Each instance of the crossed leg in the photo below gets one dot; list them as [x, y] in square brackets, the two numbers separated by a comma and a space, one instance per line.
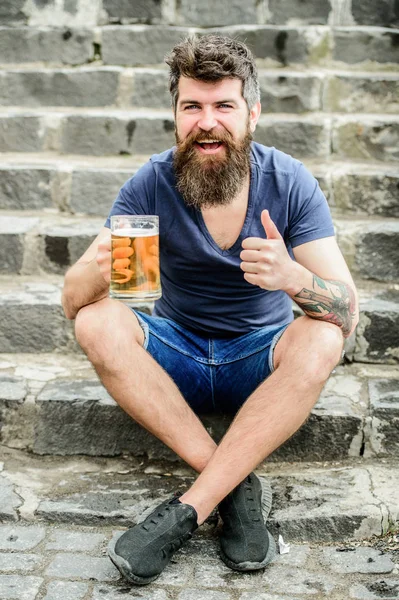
[304, 357]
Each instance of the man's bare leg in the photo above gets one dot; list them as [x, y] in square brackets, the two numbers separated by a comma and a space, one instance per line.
[304, 358]
[112, 338]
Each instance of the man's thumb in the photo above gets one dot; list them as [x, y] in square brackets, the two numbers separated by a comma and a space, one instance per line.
[272, 233]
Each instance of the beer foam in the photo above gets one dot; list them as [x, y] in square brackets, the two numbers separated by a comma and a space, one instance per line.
[135, 232]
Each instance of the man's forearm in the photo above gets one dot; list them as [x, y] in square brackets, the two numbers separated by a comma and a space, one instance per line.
[83, 285]
[329, 300]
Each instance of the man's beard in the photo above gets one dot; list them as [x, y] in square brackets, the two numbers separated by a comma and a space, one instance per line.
[206, 180]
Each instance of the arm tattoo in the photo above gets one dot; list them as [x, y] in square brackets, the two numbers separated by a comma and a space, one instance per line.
[331, 301]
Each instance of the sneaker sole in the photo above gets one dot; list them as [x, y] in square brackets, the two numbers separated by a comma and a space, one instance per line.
[124, 568]
[266, 502]
[253, 566]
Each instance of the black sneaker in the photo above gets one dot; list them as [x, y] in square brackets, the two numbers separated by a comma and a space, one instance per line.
[143, 551]
[245, 543]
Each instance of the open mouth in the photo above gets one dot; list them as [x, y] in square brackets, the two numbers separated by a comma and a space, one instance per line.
[210, 145]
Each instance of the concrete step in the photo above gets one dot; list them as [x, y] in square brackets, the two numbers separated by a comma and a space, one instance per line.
[32, 320]
[195, 12]
[282, 90]
[84, 184]
[55, 404]
[30, 245]
[139, 45]
[109, 131]
[346, 501]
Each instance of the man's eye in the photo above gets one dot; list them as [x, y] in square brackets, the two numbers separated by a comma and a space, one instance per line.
[225, 106]
[191, 106]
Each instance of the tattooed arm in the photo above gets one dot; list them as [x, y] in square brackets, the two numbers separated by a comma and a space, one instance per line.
[318, 280]
[329, 300]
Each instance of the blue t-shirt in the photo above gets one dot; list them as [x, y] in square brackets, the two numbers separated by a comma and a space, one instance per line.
[203, 287]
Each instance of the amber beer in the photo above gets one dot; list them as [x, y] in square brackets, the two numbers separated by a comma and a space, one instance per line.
[135, 273]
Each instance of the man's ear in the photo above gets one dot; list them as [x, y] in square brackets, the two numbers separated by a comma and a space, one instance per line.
[254, 115]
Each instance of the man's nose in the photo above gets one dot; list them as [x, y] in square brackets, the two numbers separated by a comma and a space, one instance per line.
[207, 120]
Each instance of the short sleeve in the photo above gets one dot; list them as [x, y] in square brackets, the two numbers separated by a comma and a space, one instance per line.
[135, 196]
[309, 213]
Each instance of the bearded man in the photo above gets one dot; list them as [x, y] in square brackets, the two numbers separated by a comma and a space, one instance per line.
[244, 230]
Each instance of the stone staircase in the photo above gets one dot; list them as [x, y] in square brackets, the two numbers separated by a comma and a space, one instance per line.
[83, 103]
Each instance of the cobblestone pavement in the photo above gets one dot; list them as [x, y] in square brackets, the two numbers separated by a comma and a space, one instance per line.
[54, 562]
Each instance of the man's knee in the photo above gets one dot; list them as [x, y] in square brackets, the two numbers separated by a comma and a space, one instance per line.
[315, 347]
[101, 325]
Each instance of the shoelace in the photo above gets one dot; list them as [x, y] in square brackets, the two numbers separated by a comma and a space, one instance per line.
[150, 520]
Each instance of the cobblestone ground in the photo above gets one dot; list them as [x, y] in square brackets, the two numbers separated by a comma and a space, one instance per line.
[52, 562]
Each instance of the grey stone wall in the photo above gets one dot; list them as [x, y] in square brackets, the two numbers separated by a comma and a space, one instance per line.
[202, 13]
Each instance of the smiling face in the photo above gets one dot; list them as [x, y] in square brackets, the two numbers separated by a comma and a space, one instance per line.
[213, 133]
[207, 111]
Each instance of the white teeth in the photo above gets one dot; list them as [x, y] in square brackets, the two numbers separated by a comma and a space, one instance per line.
[208, 141]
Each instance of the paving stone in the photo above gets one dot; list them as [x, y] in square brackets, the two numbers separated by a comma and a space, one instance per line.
[289, 92]
[104, 592]
[359, 93]
[297, 581]
[177, 573]
[19, 133]
[19, 562]
[9, 501]
[12, 234]
[19, 587]
[383, 14]
[12, 389]
[74, 541]
[63, 87]
[93, 191]
[370, 248]
[298, 12]
[18, 538]
[384, 404]
[373, 194]
[97, 135]
[205, 13]
[369, 138]
[209, 575]
[307, 138]
[194, 594]
[32, 311]
[121, 11]
[150, 88]
[67, 590]
[72, 566]
[376, 334]
[12, 12]
[25, 188]
[137, 45]
[28, 44]
[359, 560]
[354, 45]
[376, 590]
[264, 596]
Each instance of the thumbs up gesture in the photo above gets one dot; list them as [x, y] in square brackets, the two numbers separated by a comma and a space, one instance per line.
[266, 263]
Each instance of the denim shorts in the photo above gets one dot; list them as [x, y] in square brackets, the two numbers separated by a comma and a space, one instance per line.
[212, 374]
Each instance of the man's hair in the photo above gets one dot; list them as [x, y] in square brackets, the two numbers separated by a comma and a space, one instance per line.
[212, 58]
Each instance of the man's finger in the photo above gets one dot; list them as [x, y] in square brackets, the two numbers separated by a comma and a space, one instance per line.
[250, 267]
[253, 243]
[271, 230]
[250, 255]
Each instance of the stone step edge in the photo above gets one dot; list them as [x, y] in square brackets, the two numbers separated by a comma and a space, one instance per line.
[348, 500]
[318, 71]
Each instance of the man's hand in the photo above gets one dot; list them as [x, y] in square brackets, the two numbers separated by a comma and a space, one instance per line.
[266, 263]
[103, 257]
